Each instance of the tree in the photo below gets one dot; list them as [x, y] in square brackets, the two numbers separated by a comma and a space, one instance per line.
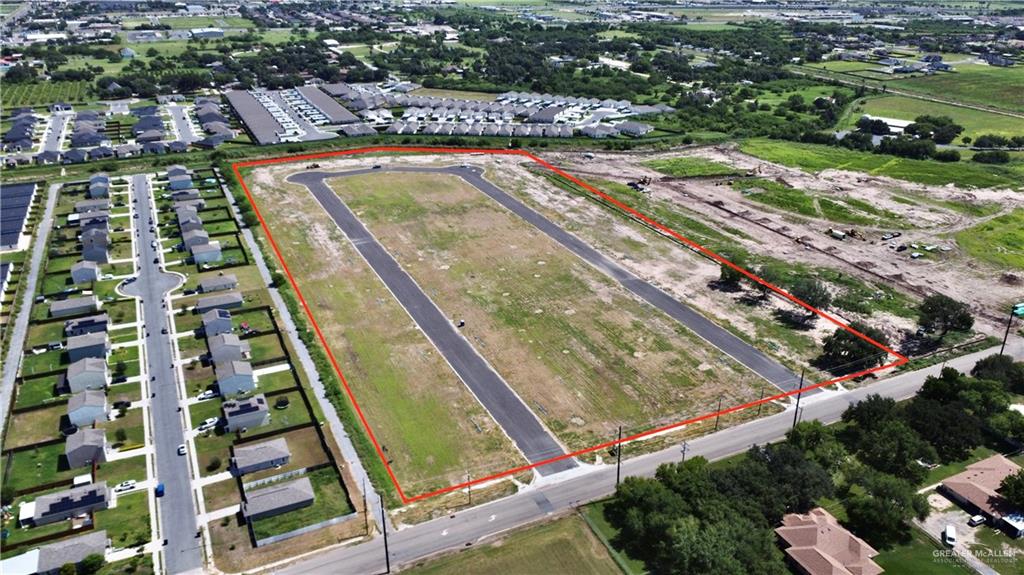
[1003, 369]
[880, 510]
[893, 447]
[214, 464]
[1012, 488]
[844, 352]
[91, 564]
[953, 432]
[944, 314]
[730, 276]
[812, 292]
[819, 443]
[991, 157]
[121, 435]
[68, 569]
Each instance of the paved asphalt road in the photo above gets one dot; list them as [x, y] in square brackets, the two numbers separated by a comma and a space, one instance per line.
[177, 509]
[19, 330]
[180, 118]
[58, 124]
[514, 417]
[473, 526]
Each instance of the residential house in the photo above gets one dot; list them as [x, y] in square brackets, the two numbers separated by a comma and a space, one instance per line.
[63, 505]
[74, 306]
[193, 238]
[976, 489]
[181, 182]
[86, 373]
[206, 253]
[277, 499]
[96, 245]
[87, 407]
[216, 322]
[219, 283]
[816, 544]
[234, 377]
[85, 447]
[248, 413]
[88, 345]
[50, 558]
[90, 324]
[93, 205]
[85, 272]
[253, 457]
[228, 300]
[227, 347]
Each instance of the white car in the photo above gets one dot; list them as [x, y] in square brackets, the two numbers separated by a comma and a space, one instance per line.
[181, 449]
[125, 486]
[208, 424]
[208, 394]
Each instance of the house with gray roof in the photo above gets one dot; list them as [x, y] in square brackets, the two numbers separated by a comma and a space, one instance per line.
[87, 407]
[206, 253]
[84, 272]
[86, 373]
[247, 413]
[96, 245]
[227, 347]
[216, 321]
[88, 345]
[180, 182]
[90, 324]
[96, 205]
[185, 195]
[253, 457]
[62, 505]
[72, 550]
[228, 300]
[277, 499]
[85, 447]
[234, 377]
[635, 129]
[218, 283]
[99, 187]
[193, 238]
[74, 306]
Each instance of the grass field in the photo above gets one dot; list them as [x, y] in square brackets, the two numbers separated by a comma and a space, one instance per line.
[579, 349]
[917, 556]
[975, 122]
[815, 158]
[430, 426]
[690, 167]
[999, 241]
[483, 96]
[839, 209]
[973, 84]
[330, 501]
[563, 546]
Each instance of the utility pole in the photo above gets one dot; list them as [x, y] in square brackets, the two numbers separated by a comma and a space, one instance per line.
[469, 489]
[384, 527]
[366, 510]
[761, 402]
[718, 414]
[1016, 310]
[618, 458]
[684, 447]
[799, 394]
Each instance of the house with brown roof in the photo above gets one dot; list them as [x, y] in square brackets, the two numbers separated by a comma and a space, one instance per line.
[976, 489]
[816, 544]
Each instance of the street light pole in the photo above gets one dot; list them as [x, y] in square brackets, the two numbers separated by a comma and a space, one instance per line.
[684, 447]
[799, 394]
[384, 527]
[618, 458]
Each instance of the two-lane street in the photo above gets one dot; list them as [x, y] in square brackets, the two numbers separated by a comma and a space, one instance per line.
[176, 508]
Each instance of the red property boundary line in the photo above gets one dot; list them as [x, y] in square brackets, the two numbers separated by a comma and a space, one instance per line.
[900, 359]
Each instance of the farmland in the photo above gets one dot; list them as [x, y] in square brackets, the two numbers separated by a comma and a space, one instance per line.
[972, 84]
[540, 315]
[432, 429]
[41, 94]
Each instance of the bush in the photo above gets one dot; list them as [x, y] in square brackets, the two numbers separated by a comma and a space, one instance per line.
[214, 464]
[947, 156]
[992, 157]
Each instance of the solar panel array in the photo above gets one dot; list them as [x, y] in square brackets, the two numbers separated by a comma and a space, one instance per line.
[15, 200]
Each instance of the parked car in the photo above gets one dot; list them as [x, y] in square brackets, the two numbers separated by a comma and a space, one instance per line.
[949, 535]
[976, 520]
[208, 394]
[181, 449]
[124, 486]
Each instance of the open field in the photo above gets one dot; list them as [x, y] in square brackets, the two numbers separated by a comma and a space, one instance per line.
[538, 314]
[690, 167]
[563, 546]
[975, 122]
[973, 84]
[999, 241]
[815, 158]
[430, 427]
[44, 93]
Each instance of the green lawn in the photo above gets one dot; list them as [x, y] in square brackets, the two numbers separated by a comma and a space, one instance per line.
[36, 391]
[562, 546]
[972, 83]
[975, 122]
[114, 472]
[127, 524]
[999, 241]
[593, 514]
[39, 466]
[815, 158]
[917, 556]
[689, 167]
